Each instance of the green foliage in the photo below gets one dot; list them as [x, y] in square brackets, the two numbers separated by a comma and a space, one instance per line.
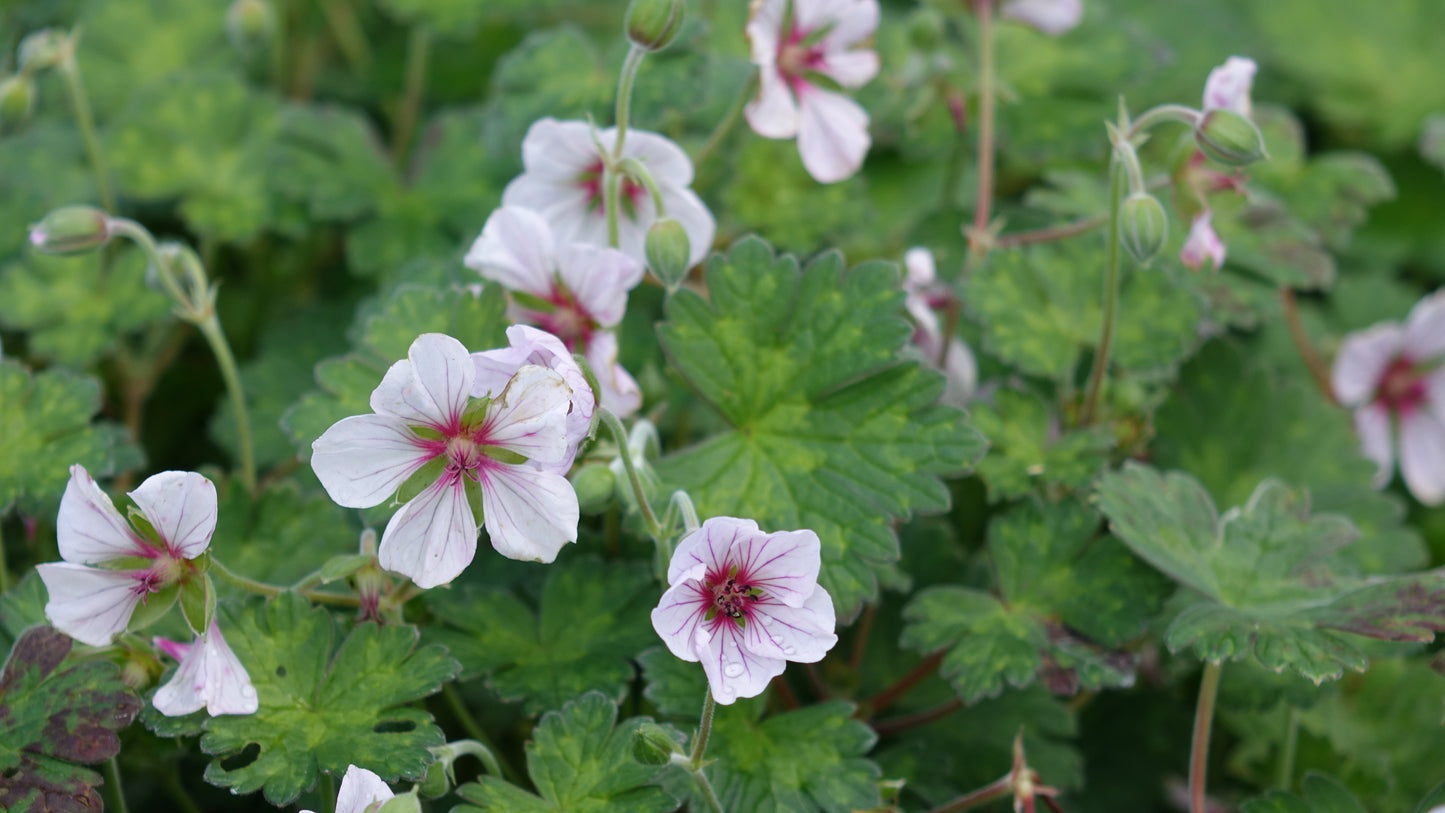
[1321, 795]
[40, 170]
[281, 534]
[556, 73]
[581, 762]
[51, 719]
[1263, 589]
[323, 707]
[1028, 452]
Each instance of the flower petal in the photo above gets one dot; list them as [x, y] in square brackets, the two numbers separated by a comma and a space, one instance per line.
[362, 460]
[89, 604]
[802, 634]
[1228, 85]
[1425, 328]
[783, 564]
[832, 134]
[559, 150]
[89, 529]
[709, 548]
[678, 614]
[852, 21]
[731, 670]
[920, 267]
[1052, 17]
[516, 250]
[599, 278]
[360, 788]
[1422, 456]
[772, 113]
[530, 417]
[620, 392]
[850, 69]
[432, 538]
[1372, 424]
[764, 30]
[495, 368]
[1362, 361]
[1202, 244]
[961, 371]
[431, 386]
[665, 161]
[228, 686]
[529, 513]
[181, 506]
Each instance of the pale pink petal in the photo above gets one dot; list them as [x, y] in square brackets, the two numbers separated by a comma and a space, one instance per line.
[921, 269]
[529, 513]
[362, 460]
[1202, 244]
[564, 204]
[558, 150]
[688, 210]
[665, 161]
[851, 21]
[90, 604]
[1435, 393]
[360, 789]
[1362, 360]
[1372, 424]
[181, 695]
[528, 345]
[175, 649]
[432, 538]
[181, 506]
[772, 113]
[800, 634]
[516, 250]
[678, 614]
[708, 548]
[89, 529]
[620, 392]
[1422, 456]
[733, 672]
[850, 69]
[764, 30]
[1425, 329]
[961, 370]
[1227, 87]
[1052, 17]
[784, 564]
[832, 134]
[599, 279]
[530, 416]
[209, 676]
[431, 386]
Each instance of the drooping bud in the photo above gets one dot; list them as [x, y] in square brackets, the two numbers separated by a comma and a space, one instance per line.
[652, 24]
[652, 745]
[42, 49]
[405, 803]
[71, 230]
[17, 100]
[595, 484]
[437, 783]
[250, 25]
[1143, 226]
[1230, 138]
[668, 251]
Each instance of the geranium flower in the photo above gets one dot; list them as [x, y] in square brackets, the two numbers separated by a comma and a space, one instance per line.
[209, 677]
[361, 792]
[1053, 17]
[823, 38]
[923, 296]
[744, 603]
[1202, 244]
[1392, 377]
[1227, 87]
[509, 452]
[562, 181]
[528, 345]
[580, 290]
[93, 604]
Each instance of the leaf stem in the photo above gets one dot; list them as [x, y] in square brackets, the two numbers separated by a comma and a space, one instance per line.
[474, 730]
[216, 338]
[993, 791]
[270, 590]
[1052, 233]
[683, 503]
[114, 794]
[729, 121]
[4, 568]
[349, 34]
[328, 792]
[1311, 357]
[898, 725]
[1111, 300]
[480, 751]
[983, 204]
[612, 188]
[890, 695]
[860, 636]
[624, 96]
[418, 51]
[620, 434]
[85, 122]
[699, 746]
[1285, 778]
[1199, 749]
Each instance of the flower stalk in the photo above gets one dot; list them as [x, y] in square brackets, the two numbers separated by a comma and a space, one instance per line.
[983, 205]
[693, 762]
[619, 433]
[418, 52]
[85, 120]
[1199, 749]
[1111, 301]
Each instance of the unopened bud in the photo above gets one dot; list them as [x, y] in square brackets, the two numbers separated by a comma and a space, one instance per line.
[405, 803]
[1229, 138]
[71, 230]
[668, 251]
[135, 674]
[652, 24]
[594, 484]
[652, 745]
[1143, 226]
[437, 783]
[42, 49]
[250, 24]
[17, 100]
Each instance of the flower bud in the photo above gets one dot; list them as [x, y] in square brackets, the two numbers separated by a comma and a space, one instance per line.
[17, 100]
[1143, 226]
[652, 24]
[437, 783]
[595, 484]
[42, 49]
[250, 24]
[652, 745]
[1229, 138]
[71, 230]
[405, 803]
[668, 251]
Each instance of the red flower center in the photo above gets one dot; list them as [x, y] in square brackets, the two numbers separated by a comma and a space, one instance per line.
[591, 180]
[795, 58]
[1402, 387]
[733, 597]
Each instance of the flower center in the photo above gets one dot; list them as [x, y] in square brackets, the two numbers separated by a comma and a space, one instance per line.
[568, 321]
[734, 599]
[796, 57]
[591, 180]
[1402, 388]
[463, 454]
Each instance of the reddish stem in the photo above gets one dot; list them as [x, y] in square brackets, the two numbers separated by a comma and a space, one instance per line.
[897, 725]
[890, 695]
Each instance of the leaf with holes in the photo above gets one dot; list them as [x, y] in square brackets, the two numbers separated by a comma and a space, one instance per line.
[831, 431]
[51, 720]
[1262, 577]
[581, 761]
[322, 709]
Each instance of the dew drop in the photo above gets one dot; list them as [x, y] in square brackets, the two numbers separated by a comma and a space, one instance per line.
[733, 670]
[789, 649]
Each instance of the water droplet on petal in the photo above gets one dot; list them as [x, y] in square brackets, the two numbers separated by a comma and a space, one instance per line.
[733, 670]
[789, 649]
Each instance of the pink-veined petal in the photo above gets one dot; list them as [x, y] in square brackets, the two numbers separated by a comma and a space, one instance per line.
[731, 670]
[1052, 17]
[181, 506]
[850, 69]
[175, 649]
[432, 538]
[1373, 425]
[566, 205]
[851, 21]
[530, 416]
[89, 529]
[665, 161]
[1227, 87]
[599, 278]
[209, 676]
[620, 392]
[697, 221]
[362, 460]
[431, 386]
[678, 614]
[773, 113]
[528, 345]
[557, 149]
[1362, 361]
[832, 134]
[529, 513]
[89, 604]
[516, 250]
[1425, 328]
[1202, 245]
[360, 788]
[709, 548]
[1422, 456]
[801, 634]
[784, 564]
[764, 30]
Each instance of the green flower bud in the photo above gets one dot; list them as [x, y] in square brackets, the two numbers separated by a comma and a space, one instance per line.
[652, 745]
[71, 230]
[17, 100]
[668, 251]
[405, 803]
[437, 783]
[1143, 226]
[42, 49]
[652, 24]
[595, 484]
[250, 24]
[1229, 138]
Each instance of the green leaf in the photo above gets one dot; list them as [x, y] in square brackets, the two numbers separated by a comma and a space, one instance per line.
[1321, 795]
[45, 426]
[52, 719]
[41, 169]
[555, 73]
[331, 160]
[1028, 454]
[830, 430]
[22, 607]
[591, 619]
[1064, 594]
[450, 18]
[580, 763]
[319, 710]
[1259, 571]
[770, 193]
[281, 534]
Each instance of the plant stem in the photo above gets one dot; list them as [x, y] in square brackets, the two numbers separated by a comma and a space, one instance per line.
[683, 503]
[1052, 233]
[328, 792]
[1187, 116]
[1285, 777]
[699, 746]
[269, 590]
[481, 752]
[860, 636]
[620, 434]
[1111, 301]
[612, 189]
[348, 33]
[624, 96]
[216, 338]
[1311, 357]
[993, 791]
[1199, 750]
[890, 695]
[114, 794]
[475, 731]
[898, 725]
[418, 51]
[85, 121]
[729, 120]
[983, 204]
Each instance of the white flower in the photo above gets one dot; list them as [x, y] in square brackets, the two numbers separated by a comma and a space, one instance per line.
[1227, 87]
[1202, 244]
[1393, 378]
[823, 39]
[1053, 17]
[562, 182]
[94, 604]
[209, 676]
[510, 452]
[744, 602]
[528, 345]
[922, 296]
[361, 792]
[582, 291]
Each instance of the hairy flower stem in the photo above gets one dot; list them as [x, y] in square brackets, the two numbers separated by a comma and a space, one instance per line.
[1052, 233]
[418, 52]
[1203, 722]
[983, 204]
[729, 121]
[998, 789]
[699, 746]
[114, 794]
[1311, 357]
[624, 96]
[654, 528]
[1111, 301]
[263, 589]
[85, 121]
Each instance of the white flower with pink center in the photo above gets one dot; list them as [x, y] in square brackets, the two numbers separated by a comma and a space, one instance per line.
[793, 44]
[1053, 17]
[528, 345]
[361, 792]
[1391, 375]
[1202, 245]
[575, 291]
[209, 676]
[923, 296]
[744, 603]
[562, 181]
[1227, 87]
[504, 452]
[94, 604]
